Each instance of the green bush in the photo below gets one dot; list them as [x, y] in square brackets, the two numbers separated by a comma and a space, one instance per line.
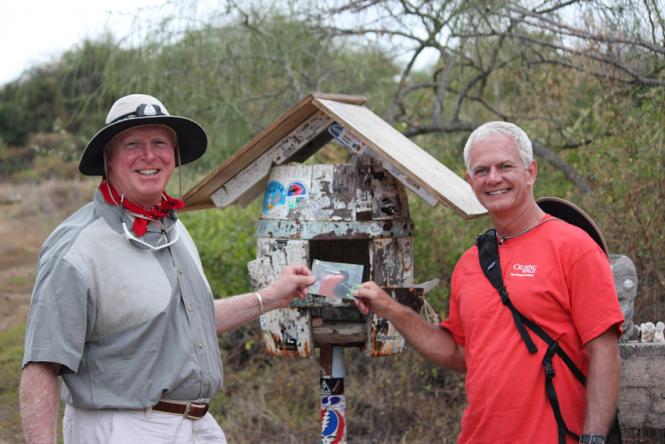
[226, 243]
[628, 171]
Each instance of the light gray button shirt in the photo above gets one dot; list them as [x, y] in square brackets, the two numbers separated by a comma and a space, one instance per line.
[128, 324]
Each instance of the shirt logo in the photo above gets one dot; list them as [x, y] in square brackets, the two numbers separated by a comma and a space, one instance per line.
[521, 270]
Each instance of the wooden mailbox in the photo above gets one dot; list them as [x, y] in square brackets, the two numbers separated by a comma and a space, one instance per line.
[353, 213]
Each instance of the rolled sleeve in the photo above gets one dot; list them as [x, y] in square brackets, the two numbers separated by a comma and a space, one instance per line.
[594, 303]
[59, 316]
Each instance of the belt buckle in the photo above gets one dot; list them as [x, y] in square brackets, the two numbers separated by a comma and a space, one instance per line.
[188, 407]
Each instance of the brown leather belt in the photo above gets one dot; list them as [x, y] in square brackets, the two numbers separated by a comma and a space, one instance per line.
[191, 410]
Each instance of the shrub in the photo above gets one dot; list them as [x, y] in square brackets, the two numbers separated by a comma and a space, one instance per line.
[226, 243]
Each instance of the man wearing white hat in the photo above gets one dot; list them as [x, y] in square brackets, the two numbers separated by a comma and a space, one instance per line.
[121, 309]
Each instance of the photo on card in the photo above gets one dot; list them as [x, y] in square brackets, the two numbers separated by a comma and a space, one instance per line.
[336, 279]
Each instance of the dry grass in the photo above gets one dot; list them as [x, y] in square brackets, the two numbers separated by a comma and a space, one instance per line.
[28, 212]
[48, 202]
[401, 399]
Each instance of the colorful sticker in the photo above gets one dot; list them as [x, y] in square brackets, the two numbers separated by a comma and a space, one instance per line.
[292, 202]
[332, 419]
[296, 188]
[332, 386]
[332, 427]
[335, 402]
[274, 196]
[295, 192]
[345, 137]
[384, 332]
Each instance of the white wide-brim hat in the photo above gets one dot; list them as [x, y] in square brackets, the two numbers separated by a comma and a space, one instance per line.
[141, 109]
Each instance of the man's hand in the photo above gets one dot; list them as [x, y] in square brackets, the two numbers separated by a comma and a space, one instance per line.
[371, 297]
[292, 283]
[433, 342]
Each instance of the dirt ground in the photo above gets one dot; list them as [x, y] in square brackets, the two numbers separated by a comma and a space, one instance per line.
[18, 255]
[19, 249]
[28, 212]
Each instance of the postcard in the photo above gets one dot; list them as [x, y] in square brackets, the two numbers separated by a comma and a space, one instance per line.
[336, 279]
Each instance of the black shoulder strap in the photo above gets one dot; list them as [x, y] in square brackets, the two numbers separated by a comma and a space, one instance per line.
[488, 254]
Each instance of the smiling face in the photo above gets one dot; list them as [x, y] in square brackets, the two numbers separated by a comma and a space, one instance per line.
[499, 178]
[140, 162]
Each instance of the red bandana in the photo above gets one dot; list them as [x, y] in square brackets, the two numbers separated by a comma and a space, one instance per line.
[142, 216]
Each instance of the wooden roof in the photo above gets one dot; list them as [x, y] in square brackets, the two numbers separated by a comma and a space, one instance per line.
[241, 178]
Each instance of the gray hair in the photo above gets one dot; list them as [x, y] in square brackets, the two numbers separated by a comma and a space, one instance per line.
[486, 130]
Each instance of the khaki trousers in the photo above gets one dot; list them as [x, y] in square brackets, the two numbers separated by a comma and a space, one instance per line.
[83, 426]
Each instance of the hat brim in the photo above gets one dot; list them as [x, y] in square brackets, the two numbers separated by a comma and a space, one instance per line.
[192, 140]
[572, 214]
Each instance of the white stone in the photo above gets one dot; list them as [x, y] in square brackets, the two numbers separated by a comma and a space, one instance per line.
[648, 331]
[659, 336]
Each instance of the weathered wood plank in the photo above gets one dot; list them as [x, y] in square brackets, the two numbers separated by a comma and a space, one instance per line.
[428, 285]
[389, 201]
[408, 157]
[344, 98]
[383, 338]
[198, 197]
[261, 273]
[353, 143]
[392, 261]
[364, 194]
[340, 333]
[257, 171]
[319, 205]
[287, 331]
[331, 230]
[297, 252]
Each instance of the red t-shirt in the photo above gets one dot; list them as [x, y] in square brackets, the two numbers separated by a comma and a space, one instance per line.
[559, 278]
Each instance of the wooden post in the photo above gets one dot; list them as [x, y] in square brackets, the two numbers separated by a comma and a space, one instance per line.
[333, 404]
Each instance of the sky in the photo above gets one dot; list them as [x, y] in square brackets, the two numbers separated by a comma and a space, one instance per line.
[33, 32]
[37, 31]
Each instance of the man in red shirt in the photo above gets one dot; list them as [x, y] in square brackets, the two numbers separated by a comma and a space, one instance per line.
[556, 276]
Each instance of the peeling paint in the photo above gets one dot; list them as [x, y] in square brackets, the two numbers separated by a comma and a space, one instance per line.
[288, 332]
[330, 229]
[384, 338]
[392, 261]
[258, 170]
[345, 202]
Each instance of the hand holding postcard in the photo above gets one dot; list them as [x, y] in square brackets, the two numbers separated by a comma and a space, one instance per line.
[336, 279]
